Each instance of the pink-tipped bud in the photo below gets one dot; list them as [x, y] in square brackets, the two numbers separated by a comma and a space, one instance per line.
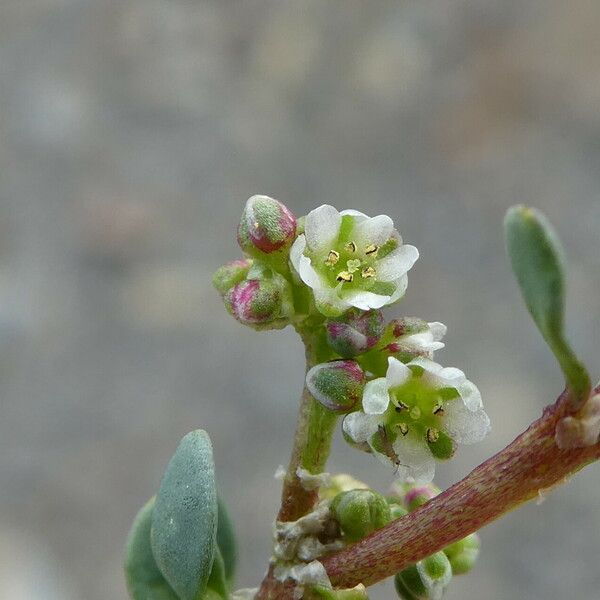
[356, 332]
[231, 274]
[258, 303]
[338, 385]
[266, 226]
[415, 495]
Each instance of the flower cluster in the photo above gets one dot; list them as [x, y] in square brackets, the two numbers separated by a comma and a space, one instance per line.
[329, 274]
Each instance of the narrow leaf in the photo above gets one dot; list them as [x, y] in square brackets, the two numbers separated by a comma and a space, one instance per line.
[226, 541]
[184, 524]
[143, 577]
[538, 262]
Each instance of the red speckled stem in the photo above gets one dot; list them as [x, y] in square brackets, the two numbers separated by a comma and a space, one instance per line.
[525, 469]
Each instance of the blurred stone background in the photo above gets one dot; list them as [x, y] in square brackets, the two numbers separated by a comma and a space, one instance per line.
[131, 133]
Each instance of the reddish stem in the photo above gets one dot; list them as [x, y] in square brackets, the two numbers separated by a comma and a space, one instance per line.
[525, 469]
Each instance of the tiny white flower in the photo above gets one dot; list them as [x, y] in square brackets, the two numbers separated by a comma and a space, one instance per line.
[350, 259]
[409, 337]
[416, 414]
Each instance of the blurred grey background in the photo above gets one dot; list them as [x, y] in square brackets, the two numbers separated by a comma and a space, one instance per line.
[131, 134]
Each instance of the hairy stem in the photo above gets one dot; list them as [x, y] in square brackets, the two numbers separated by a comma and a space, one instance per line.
[527, 468]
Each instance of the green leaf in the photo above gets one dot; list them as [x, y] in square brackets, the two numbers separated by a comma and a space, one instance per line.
[217, 582]
[538, 262]
[226, 541]
[143, 577]
[184, 524]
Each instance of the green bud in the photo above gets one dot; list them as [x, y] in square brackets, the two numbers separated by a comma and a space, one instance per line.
[354, 332]
[409, 585]
[426, 580]
[463, 554]
[266, 226]
[337, 385]
[231, 274]
[414, 495]
[436, 573]
[360, 513]
[262, 302]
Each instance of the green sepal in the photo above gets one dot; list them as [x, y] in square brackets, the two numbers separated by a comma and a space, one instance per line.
[184, 523]
[538, 262]
[142, 575]
[226, 541]
[409, 584]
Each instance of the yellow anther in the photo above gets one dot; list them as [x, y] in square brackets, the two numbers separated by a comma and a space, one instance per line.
[345, 276]
[371, 250]
[433, 435]
[351, 247]
[403, 428]
[368, 273]
[439, 411]
[332, 258]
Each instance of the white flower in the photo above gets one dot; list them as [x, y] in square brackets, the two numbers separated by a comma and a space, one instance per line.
[417, 413]
[349, 259]
[410, 337]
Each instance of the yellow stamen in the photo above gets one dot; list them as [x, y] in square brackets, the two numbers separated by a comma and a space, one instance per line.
[433, 435]
[371, 249]
[345, 276]
[368, 273]
[438, 411]
[351, 247]
[403, 427]
[332, 258]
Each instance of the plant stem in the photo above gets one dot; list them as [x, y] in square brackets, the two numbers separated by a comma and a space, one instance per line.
[527, 468]
[312, 441]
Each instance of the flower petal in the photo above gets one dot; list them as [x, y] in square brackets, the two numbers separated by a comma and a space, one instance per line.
[470, 395]
[297, 250]
[366, 300]
[438, 330]
[308, 274]
[353, 213]
[464, 425]
[376, 230]
[360, 427]
[414, 454]
[397, 373]
[376, 398]
[322, 228]
[396, 263]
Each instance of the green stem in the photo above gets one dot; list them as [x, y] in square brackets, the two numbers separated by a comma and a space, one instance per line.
[312, 441]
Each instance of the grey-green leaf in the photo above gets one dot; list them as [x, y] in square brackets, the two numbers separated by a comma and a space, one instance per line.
[226, 541]
[143, 577]
[184, 524]
[538, 262]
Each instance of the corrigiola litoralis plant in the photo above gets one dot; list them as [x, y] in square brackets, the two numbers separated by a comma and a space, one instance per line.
[379, 382]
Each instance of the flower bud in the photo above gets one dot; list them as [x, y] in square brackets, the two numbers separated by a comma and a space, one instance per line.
[266, 226]
[426, 580]
[415, 495]
[356, 332]
[463, 554]
[260, 303]
[338, 385]
[231, 274]
[360, 512]
[397, 511]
